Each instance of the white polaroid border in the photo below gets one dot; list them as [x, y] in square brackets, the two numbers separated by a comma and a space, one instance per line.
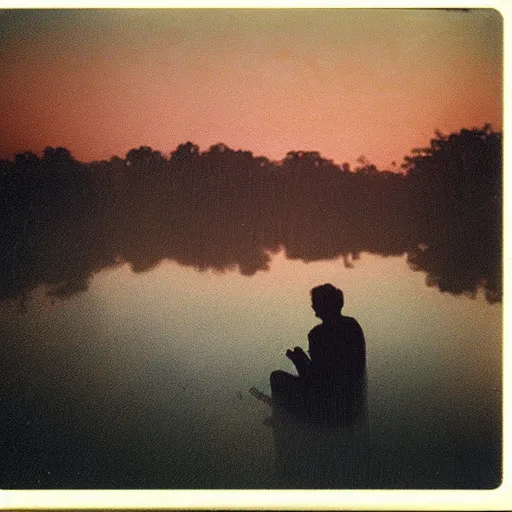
[497, 499]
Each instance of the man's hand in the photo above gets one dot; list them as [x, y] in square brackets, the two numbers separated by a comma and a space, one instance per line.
[295, 353]
[299, 359]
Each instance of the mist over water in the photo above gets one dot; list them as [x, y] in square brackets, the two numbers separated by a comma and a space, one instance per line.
[142, 381]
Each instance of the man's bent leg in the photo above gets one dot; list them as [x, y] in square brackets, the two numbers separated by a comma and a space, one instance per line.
[287, 390]
[283, 383]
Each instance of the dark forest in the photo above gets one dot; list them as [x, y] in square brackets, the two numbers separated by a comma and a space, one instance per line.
[63, 220]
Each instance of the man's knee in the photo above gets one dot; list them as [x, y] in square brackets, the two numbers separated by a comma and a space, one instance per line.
[276, 380]
[277, 376]
[284, 383]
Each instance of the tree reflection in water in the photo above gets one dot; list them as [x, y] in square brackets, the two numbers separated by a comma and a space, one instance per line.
[63, 221]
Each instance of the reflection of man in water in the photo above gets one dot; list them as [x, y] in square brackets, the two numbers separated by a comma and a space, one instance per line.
[332, 377]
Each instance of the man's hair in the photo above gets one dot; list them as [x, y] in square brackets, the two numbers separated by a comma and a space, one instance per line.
[330, 297]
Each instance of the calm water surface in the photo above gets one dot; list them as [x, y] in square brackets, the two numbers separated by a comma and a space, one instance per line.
[142, 382]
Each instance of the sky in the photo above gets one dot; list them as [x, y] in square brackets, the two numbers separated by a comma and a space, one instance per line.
[344, 82]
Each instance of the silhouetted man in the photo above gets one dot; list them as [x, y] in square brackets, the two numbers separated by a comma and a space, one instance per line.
[332, 378]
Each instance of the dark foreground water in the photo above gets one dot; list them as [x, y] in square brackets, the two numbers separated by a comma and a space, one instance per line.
[142, 382]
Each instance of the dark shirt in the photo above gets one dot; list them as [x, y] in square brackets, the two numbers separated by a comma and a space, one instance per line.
[337, 350]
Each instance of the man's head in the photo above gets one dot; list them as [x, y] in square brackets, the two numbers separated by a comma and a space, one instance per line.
[326, 300]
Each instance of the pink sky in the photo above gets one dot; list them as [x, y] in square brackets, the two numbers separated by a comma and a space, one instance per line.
[342, 82]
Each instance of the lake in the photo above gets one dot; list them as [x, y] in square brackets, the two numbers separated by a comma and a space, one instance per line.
[142, 381]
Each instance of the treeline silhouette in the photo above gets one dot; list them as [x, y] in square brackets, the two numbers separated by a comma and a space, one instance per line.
[63, 220]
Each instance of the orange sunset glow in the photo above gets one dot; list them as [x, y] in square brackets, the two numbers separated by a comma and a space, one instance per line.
[342, 82]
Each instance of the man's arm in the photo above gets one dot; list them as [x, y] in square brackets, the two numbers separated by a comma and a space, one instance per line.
[360, 346]
[313, 345]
